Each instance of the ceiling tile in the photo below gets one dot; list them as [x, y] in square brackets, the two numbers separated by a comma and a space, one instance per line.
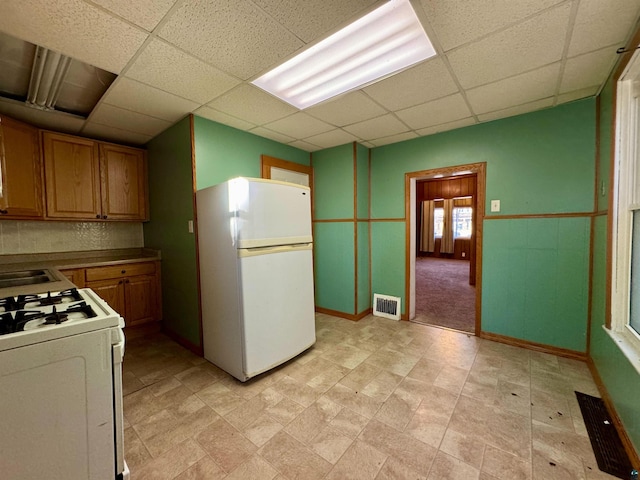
[460, 21]
[383, 126]
[306, 146]
[234, 35]
[519, 110]
[300, 125]
[588, 70]
[73, 28]
[332, 138]
[127, 120]
[600, 23]
[144, 13]
[400, 137]
[522, 88]
[167, 68]
[526, 46]
[266, 133]
[310, 19]
[105, 132]
[439, 111]
[426, 81]
[577, 95]
[252, 105]
[347, 109]
[221, 117]
[142, 98]
[444, 127]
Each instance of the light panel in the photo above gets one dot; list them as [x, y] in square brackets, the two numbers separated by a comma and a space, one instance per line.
[385, 41]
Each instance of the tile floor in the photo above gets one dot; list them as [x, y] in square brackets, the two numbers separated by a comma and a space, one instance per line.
[374, 399]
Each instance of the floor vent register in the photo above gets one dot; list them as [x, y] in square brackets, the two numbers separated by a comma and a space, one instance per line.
[607, 446]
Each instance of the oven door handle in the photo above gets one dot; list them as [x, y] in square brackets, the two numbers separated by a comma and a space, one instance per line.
[118, 356]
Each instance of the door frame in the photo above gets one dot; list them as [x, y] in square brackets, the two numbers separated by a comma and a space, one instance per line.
[479, 169]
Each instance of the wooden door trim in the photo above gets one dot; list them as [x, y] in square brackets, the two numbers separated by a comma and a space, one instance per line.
[480, 170]
[266, 162]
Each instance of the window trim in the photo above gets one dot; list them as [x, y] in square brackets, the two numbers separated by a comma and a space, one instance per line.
[625, 201]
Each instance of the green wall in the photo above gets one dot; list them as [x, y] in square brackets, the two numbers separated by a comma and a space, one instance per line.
[538, 163]
[224, 152]
[339, 174]
[333, 183]
[171, 207]
[540, 268]
[620, 378]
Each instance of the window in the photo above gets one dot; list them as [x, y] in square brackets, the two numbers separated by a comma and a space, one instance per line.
[625, 294]
[438, 222]
[462, 221]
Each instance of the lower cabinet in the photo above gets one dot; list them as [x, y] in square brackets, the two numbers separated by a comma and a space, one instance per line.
[132, 290]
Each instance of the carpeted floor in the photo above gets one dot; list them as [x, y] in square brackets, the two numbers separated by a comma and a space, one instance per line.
[443, 294]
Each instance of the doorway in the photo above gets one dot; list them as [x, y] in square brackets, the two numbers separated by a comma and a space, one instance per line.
[444, 281]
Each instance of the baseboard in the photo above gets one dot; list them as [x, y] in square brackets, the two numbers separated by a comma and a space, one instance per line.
[538, 347]
[137, 331]
[626, 441]
[179, 339]
[348, 316]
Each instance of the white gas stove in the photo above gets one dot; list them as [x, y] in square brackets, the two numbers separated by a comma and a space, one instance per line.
[34, 318]
[61, 381]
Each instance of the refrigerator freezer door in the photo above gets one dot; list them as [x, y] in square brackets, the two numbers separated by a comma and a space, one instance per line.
[271, 212]
[278, 307]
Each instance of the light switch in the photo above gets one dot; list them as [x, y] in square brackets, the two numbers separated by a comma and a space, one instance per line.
[190, 226]
[495, 205]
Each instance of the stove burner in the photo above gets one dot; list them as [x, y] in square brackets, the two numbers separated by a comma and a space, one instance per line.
[7, 304]
[15, 322]
[83, 308]
[22, 300]
[55, 318]
[49, 300]
[72, 293]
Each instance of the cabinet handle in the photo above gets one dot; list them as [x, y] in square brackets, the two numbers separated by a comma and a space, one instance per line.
[123, 271]
[120, 282]
[97, 216]
[104, 216]
[126, 281]
[3, 212]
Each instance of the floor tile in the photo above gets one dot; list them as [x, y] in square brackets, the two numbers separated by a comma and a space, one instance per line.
[360, 462]
[373, 399]
[294, 460]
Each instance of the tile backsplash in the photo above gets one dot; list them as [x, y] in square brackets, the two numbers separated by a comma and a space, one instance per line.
[24, 237]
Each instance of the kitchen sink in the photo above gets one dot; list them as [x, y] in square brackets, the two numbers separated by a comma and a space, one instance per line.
[24, 277]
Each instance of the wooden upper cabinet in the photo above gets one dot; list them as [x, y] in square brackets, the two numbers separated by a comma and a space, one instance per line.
[86, 179]
[123, 179]
[20, 170]
[72, 176]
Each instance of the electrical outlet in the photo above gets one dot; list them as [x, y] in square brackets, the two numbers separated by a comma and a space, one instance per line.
[495, 205]
[464, 254]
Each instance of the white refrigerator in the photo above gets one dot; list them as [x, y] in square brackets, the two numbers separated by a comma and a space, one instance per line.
[256, 274]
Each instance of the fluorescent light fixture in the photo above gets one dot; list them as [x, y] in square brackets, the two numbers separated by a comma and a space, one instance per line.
[385, 41]
[47, 75]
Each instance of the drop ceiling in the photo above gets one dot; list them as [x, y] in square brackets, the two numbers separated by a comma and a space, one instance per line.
[495, 59]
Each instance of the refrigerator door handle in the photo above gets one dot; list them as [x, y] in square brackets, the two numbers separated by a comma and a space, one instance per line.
[252, 252]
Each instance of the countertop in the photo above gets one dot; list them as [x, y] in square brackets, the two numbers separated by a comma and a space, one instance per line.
[53, 262]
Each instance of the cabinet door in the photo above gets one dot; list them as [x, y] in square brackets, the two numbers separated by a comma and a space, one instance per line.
[123, 179]
[72, 176]
[112, 292]
[20, 170]
[74, 275]
[140, 299]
